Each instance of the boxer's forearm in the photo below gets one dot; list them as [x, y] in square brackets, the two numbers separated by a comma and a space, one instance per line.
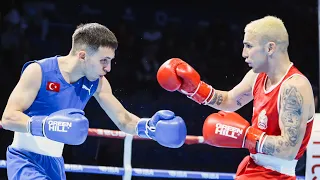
[221, 101]
[127, 122]
[15, 121]
[123, 119]
[130, 126]
[281, 147]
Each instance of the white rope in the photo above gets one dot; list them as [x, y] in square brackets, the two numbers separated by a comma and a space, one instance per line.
[127, 157]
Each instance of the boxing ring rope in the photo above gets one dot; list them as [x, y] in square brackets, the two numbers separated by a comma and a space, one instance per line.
[127, 171]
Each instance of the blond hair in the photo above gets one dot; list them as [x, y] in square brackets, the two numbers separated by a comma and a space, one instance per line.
[269, 29]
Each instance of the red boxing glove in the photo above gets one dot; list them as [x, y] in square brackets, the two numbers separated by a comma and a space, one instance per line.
[175, 74]
[230, 130]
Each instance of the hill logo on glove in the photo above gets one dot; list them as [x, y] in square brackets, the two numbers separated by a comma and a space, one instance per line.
[58, 126]
[228, 131]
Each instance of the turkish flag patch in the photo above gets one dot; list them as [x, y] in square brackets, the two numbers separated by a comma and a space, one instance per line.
[52, 86]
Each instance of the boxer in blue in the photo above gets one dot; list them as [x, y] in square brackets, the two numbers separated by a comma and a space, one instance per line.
[45, 109]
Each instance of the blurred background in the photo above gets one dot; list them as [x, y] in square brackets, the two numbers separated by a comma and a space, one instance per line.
[206, 34]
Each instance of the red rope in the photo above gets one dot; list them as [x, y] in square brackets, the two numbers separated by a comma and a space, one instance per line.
[121, 135]
[106, 133]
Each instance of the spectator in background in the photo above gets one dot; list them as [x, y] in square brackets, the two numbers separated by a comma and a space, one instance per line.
[14, 45]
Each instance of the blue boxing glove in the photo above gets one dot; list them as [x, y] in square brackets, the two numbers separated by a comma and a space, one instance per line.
[164, 127]
[68, 126]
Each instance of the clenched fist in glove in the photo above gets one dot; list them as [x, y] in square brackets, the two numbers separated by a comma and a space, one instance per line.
[229, 129]
[175, 74]
[165, 128]
[68, 126]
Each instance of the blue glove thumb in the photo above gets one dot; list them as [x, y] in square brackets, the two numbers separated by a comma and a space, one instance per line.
[146, 126]
[163, 127]
[160, 115]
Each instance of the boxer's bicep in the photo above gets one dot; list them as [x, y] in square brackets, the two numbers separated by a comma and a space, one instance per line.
[123, 119]
[236, 98]
[21, 98]
[26, 89]
[107, 101]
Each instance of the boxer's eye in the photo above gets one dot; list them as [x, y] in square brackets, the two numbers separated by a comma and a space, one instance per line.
[104, 61]
[248, 46]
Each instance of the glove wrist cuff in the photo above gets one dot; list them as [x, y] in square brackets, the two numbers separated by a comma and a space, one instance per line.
[36, 125]
[142, 128]
[210, 97]
[203, 94]
[254, 139]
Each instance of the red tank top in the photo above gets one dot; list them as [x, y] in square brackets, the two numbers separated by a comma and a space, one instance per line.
[266, 107]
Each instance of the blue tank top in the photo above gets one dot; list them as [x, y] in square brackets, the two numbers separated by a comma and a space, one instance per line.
[57, 94]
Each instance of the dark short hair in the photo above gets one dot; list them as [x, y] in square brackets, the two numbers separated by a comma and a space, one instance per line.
[93, 36]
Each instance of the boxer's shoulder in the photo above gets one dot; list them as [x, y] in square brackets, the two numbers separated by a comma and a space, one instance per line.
[32, 75]
[298, 83]
[252, 76]
[33, 68]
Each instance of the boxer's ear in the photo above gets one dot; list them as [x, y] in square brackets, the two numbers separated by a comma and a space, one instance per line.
[81, 55]
[270, 48]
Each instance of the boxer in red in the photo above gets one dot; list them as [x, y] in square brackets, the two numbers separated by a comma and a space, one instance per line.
[283, 103]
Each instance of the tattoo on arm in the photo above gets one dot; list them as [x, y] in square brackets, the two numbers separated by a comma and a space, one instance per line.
[292, 112]
[290, 116]
[240, 98]
[239, 103]
[217, 99]
[214, 99]
[269, 146]
[220, 99]
[274, 145]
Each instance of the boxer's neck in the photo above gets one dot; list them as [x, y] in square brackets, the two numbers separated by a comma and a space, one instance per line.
[278, 67]
[70, 68]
